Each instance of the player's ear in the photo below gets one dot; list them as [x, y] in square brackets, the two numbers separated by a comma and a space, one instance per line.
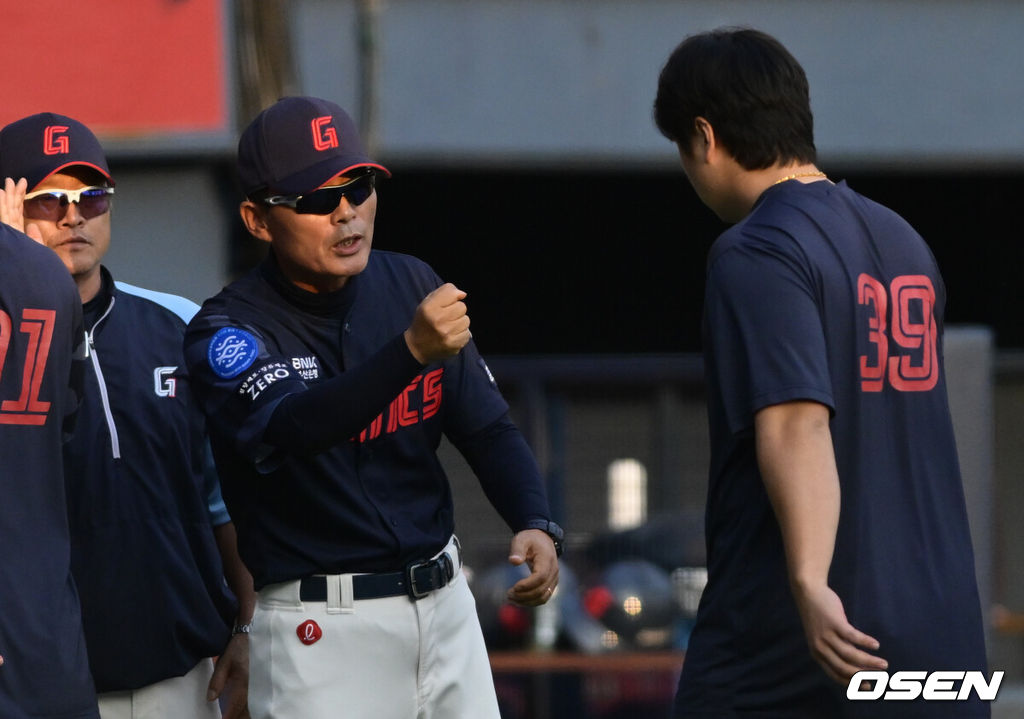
[254, 218]
[705, 135]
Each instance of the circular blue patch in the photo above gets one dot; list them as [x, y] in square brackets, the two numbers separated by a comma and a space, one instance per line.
[231, 352]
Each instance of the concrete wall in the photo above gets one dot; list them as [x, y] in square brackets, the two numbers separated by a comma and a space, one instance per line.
[169, 229]
[892, 83]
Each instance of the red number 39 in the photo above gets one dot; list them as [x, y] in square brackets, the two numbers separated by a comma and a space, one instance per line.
[914, 367]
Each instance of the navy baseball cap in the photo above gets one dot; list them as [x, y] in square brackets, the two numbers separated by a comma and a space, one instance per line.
[296, 145]
[39, 145]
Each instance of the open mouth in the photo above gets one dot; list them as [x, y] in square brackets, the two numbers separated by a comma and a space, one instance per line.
[349, 243]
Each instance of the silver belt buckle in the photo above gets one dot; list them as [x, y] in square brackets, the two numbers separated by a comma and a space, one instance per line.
[410, 580]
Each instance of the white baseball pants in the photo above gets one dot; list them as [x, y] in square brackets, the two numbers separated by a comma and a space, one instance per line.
[179, 697]
[387, 658]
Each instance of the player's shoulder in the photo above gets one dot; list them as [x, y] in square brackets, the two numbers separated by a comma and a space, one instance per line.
[743, 239]
[381, 259]
[833, 205]
[32, 270]
[875, 212]
[181, 307]
[246, 289]
[17, 248]
[404, 271]
[782, 221]
[14, 242]
[245, 300]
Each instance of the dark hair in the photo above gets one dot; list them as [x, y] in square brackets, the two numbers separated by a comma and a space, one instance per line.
[748, 86]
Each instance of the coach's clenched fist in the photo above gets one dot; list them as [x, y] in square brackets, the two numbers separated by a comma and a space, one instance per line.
[440, 327]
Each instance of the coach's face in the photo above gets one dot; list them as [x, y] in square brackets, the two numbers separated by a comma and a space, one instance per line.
[317, 252]
[80, 239]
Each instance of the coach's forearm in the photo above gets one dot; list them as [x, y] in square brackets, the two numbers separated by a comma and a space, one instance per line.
[333, 411]
[235, 572]
[508, 473]
[797, 463]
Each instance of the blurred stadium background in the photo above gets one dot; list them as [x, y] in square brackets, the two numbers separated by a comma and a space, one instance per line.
[527, 170]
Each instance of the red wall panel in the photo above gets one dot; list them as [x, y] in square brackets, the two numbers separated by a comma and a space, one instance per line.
[124, 67]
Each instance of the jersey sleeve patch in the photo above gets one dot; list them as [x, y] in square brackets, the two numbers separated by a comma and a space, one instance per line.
[231, 351]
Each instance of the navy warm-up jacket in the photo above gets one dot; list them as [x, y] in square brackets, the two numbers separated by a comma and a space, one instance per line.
[154, 600]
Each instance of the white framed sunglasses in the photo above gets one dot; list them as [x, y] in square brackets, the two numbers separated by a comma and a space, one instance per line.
[52, 204]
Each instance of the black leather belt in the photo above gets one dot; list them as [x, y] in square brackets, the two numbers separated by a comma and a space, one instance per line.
[417, 581]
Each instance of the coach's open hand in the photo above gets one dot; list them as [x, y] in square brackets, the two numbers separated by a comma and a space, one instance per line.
[441, 325]
[538, 551]
[12, 197]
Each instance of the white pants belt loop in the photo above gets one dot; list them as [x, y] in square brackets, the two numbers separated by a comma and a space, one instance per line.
[339, 594]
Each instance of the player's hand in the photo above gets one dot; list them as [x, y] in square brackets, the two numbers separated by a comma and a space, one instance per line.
[835, 644]
[231, 672]
[12, 199]
[538, 551]
[440, 327]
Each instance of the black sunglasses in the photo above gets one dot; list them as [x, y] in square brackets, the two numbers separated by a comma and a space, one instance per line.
[326, 200]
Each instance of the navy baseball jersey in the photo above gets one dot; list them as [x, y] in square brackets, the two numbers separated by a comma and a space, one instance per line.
[143, 550]
[45, 671]
[822, 295]
[360, 488]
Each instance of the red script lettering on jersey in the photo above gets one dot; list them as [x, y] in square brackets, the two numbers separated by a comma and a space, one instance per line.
[420, 401]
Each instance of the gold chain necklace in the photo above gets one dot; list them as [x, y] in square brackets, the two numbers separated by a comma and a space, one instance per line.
[800, 174]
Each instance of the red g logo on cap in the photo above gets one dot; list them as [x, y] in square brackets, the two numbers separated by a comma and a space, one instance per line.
[324, 138]
[55, 142]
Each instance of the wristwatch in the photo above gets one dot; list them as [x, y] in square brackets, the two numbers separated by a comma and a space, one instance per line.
[241, 628]
[551, 529]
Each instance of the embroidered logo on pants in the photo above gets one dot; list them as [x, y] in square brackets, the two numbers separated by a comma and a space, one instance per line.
[309, 632]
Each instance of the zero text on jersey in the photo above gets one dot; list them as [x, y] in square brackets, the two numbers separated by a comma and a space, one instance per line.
[258, 381]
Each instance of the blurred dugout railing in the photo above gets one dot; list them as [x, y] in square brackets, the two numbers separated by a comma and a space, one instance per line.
[607, 433]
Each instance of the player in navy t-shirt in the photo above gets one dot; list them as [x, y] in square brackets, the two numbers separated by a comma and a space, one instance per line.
[836, 526]
[45, 670]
